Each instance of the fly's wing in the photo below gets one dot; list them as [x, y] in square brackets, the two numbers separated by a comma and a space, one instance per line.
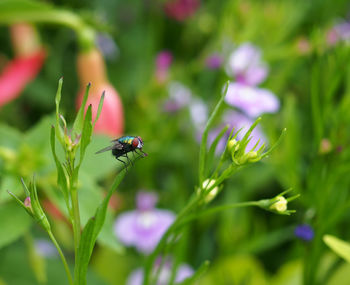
[116, 145]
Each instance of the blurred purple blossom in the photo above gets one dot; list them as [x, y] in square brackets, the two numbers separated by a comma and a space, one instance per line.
[199, 113]
[164, 60]
[179, 97]
[143, 227]
[107, 46]
[246, 65]
[214, 61]
[183, 271]
[163, 63]
[180, 10]
[45, 248]
[339, 32]
[304, 232]
[251, 100]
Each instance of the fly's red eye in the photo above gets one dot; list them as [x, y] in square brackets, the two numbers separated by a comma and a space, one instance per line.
[135, 142]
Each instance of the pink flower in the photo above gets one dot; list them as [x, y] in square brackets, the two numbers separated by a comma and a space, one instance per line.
[246, 65]
[25, 66]
[17, 74]
[163, 62]
[180, 10]
[251, 100]
[91, 69]
[214, 61]
[339, 32]
[143, 227]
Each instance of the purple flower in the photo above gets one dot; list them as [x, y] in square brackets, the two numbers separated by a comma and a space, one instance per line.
[214, 61]
[45, 248]
[179, 97]
[199, 113]
[339, 32]
[246, 65]
[251, 100]
[304, 232]
[183, 271]
[180, 10]
[163, 62]
[143, 227]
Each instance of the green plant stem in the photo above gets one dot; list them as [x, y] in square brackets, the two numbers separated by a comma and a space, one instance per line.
[70, 279]
[76, 218]
[55, 16]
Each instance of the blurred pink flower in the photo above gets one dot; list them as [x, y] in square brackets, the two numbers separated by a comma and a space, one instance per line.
[214, 61]
[183, 272]
[180, 10]
[251, 100]
[143, 227]
[246, 65]
[163, 62]
[91, 69]
[17, 74]
[27, 63]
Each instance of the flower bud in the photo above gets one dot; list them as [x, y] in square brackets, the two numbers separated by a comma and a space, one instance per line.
[91, 68]
[27, 203]
[232, 145]
[280, 204]
[206, 185]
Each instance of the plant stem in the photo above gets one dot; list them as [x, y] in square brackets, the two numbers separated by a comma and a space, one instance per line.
[76, 218]
[54, 16]
[70, 279]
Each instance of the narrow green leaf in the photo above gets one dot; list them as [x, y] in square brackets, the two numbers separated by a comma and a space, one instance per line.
[79, 120]
[276, 143]
[100, 105]
[197, 275]
[90, 233]
[211, 152]
[59, 131]
[340, 247]
[203, 146]
[61, 176]
[86, 134]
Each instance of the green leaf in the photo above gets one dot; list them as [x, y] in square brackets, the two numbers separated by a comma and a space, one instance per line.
[100, 105]
[90, 233]
[86, 134]
[203, 146]
[59, 131]
[197, 275]
[13, 223]
[79, 120]
[340, 247]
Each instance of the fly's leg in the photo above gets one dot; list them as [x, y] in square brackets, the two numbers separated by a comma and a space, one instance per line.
[129, 161]
[125, 165]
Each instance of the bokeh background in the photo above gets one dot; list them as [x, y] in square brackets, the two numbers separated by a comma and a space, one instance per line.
[167, 62]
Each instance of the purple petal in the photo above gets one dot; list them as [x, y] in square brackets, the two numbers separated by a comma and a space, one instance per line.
[107, 46]
[253, 101]
[146, 200]
[143, 229]
[184, 271]
[214, 61]
[179, 97]
[246, 65]
[164, 60]
[199, 113]
[304, 232]
[135, 278]
[45, 248]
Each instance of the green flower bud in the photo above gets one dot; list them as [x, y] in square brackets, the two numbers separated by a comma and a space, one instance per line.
[280, 204]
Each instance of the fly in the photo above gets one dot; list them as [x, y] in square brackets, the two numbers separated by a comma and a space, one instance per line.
[122, 146]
